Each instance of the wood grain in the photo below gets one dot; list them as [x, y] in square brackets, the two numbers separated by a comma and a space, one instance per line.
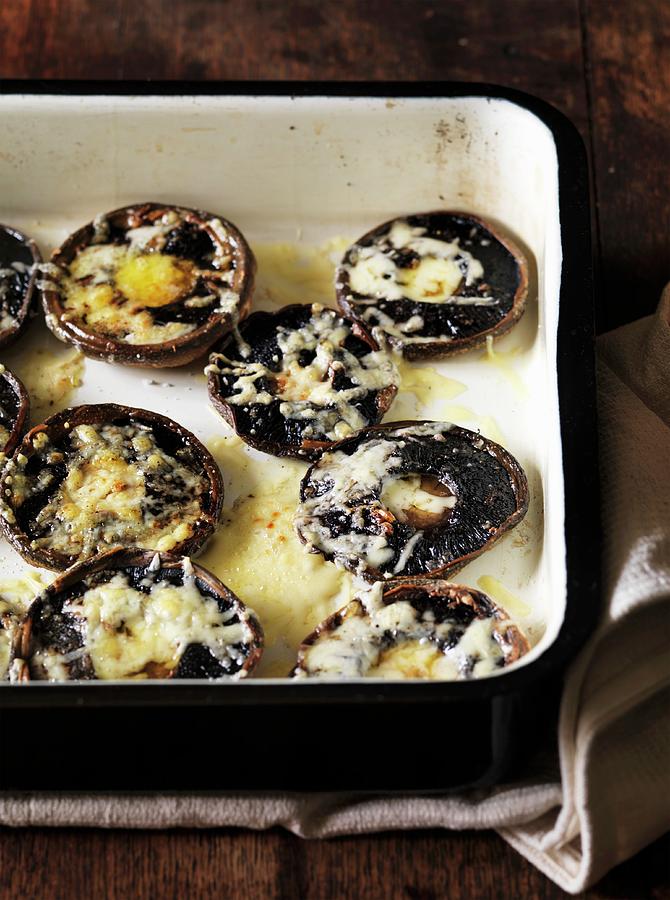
[276, 866]
[598, 61]
[627, 58]
[271, 39]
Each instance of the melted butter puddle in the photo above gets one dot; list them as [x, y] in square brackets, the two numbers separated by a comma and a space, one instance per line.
[497, 591]
[236, 466]
[257, 554]
[487, 425]
[295, 273]
[426, 384]
[50, 371]
[502, 360]
[429, 388]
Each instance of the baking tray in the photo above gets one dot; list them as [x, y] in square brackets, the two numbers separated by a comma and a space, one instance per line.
[301, 162]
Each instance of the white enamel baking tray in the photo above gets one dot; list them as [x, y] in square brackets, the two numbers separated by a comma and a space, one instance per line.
[303, 164]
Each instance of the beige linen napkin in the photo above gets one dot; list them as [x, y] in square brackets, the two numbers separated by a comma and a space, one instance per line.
[610, 797]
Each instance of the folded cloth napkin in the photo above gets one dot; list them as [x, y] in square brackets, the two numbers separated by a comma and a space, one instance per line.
[610, 796]
[614, 729]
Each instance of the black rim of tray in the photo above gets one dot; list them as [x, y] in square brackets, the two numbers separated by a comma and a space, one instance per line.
[577, 411]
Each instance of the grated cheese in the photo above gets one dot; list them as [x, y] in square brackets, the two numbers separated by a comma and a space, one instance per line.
[306, 392]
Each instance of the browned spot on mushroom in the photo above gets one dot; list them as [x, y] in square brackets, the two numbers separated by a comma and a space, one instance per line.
[156, 670]
[414, 514]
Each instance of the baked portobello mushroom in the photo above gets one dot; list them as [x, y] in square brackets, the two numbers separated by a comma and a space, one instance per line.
[136, 614]
[410, 499]
[12, 612]
[149, 285]
[14, 411]
[94, 477]
[423, 628]
[291, 383]
[19, 259]
[433, 283]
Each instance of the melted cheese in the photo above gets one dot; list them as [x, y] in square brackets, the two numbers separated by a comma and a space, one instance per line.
[502, 360]
[103, 500]
[435, 278]
[155, 280]
[307, 392]
[431, 281]
[502, 595]
[424, 393]
[257, 554]
[359, 646]
[132, 634]
[112, 288]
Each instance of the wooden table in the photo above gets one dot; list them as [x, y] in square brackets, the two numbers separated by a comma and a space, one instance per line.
[600, 61]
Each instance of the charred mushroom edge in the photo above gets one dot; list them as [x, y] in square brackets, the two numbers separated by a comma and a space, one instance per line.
[18, 427]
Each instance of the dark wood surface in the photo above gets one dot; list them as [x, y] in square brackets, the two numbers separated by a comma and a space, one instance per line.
[603, 62]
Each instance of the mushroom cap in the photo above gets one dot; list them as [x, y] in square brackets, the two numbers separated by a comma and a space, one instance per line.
[53, 627]
[34, 457]
[484, 303]
[186, 241]
[14, 410]
[453, 492]
[20, 295]
[442, 630]
[353, 383]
